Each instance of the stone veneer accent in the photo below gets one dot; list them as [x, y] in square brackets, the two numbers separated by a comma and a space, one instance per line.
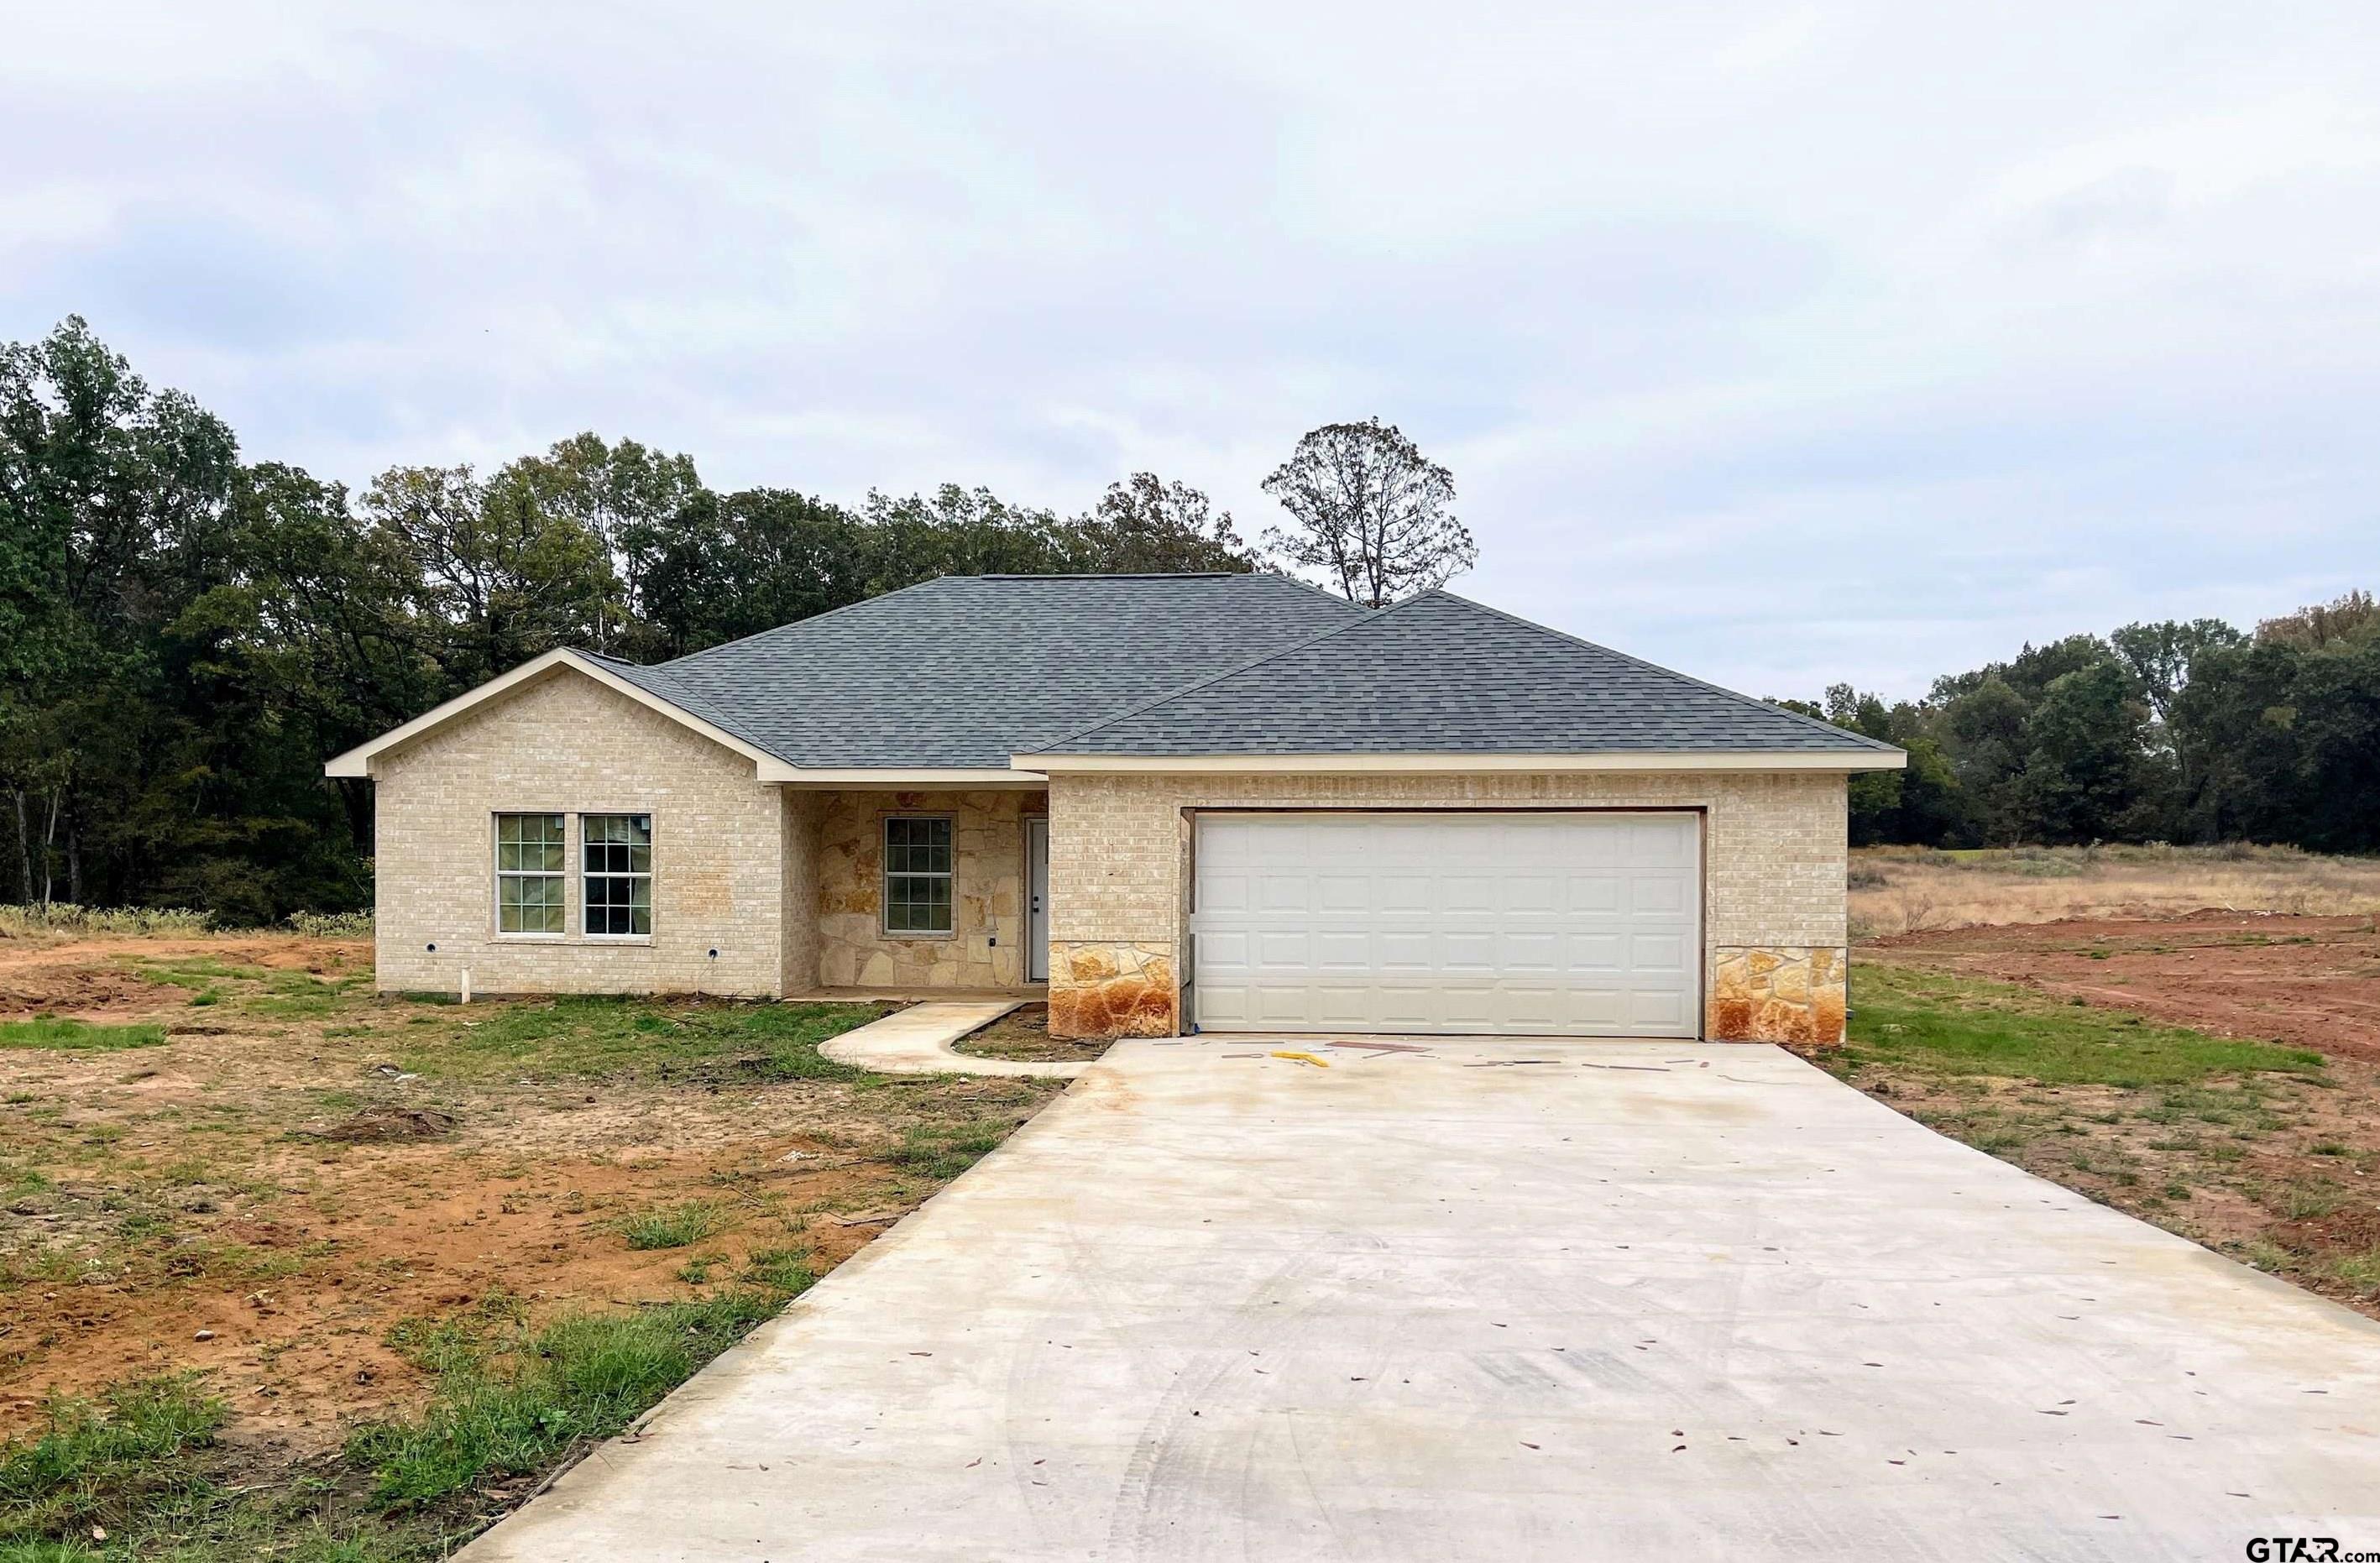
[987, 946]
[567, 744]
[1790, 993]
[1113, 990]
[1774, 858]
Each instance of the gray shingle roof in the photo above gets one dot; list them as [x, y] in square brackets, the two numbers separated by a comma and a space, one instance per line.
[1440, 674]
[966, 672]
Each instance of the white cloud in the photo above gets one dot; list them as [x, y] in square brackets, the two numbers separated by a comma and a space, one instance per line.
[1783, 342]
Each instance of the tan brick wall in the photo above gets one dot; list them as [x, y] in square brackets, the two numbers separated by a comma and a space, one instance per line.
[1774, 854]
[987, 946]
[567, 744]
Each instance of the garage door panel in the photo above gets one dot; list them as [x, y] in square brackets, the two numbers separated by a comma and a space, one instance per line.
[1282, 950]
[1594, 895]
[1657, 895]
[1468, 895]
[1592, 953]
[1343, 949]
[1653, 1008]
[1283, 892]
[1551, 923]
[1657, 953]
[1343, 892]
[1467, 951]
[1535, 892]
[1225, 952]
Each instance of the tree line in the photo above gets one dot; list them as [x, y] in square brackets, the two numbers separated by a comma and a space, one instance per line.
[2194, 732]
[186, 635]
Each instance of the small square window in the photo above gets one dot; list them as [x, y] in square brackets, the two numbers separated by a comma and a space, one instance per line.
[918, 874]
[528, 873]
[617, 868]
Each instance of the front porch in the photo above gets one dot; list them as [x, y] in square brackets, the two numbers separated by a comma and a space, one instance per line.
[915, 894]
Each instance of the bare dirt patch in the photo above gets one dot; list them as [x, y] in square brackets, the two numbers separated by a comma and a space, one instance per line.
[303, 1167]
[1023, 1035]
[2307, 982]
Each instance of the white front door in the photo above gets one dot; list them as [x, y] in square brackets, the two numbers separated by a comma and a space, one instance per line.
[1036, 899]
[1554, 923]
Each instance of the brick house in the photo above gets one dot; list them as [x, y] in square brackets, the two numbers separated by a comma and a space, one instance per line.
[1227, 802]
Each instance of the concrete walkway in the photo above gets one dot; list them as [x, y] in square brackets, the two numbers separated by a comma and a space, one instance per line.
[917, 1041]
[1634, 1301]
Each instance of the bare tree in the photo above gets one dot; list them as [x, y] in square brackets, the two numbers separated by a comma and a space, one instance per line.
[1371, 510]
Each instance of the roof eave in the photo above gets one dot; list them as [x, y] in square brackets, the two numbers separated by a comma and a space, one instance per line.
[363, 759]
[1839, 760]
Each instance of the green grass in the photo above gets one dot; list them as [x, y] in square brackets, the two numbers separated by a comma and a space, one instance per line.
[786, 1270]
[94, 1461]
[50, 1030]
[509, 1402]
[673, 1226]
[611, 1037]
[583, 1376]
[1959, 1026]
[945, 1150]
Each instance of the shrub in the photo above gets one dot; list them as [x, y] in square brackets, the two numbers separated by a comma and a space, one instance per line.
[332, 924]
[58, 916]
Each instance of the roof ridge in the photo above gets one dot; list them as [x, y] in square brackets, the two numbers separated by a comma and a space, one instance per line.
[1770, 707]
[1323, 592]
[1366, 616]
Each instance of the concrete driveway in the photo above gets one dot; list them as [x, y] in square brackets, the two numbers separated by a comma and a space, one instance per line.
[1641, 1301]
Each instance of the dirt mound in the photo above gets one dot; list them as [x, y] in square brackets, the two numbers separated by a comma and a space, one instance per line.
[82, 991]
[382, 1124]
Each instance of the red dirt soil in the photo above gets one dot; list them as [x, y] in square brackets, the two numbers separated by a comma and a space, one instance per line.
[2304, 982]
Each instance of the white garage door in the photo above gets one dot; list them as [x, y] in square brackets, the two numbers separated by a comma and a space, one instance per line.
[1571, 924]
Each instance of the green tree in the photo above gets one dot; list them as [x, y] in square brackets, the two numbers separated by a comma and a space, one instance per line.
[631, 498]
[112, 520]
[502, 576]
[2088, 772]
[1146, 525]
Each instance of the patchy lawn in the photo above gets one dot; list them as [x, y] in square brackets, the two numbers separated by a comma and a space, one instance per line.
[2267, 1151]
[289, 1269]
[2305, 982]
[1023, 1034]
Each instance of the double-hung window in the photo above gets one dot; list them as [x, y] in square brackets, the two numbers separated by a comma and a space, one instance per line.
[528, 874]
[617, 862]
[918, 874]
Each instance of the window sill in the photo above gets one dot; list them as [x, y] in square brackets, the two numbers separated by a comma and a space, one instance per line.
[532, 938]
[616, 939]
[888, 937]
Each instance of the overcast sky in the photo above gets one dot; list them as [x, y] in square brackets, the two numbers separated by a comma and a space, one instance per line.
[1782, 344]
